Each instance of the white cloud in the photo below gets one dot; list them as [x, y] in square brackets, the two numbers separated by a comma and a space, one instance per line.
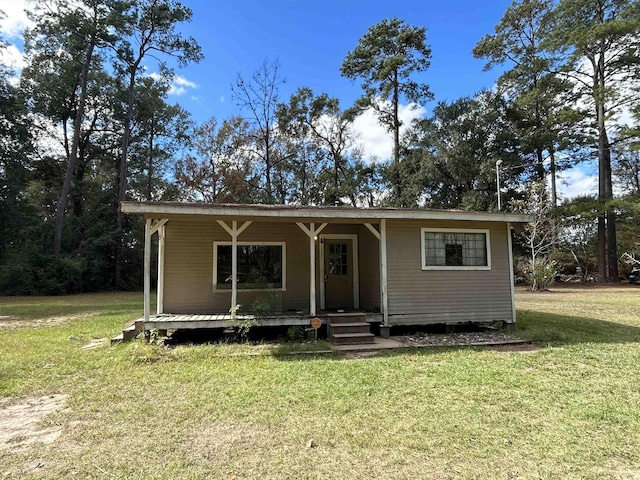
[179, 85]
[16, 19]
[575, 182]
[222, 99]
[374, 139]
[12, 58]
[12, 31]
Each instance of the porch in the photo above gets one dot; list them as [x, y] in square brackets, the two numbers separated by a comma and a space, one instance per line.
[165, 321]
[216, 272]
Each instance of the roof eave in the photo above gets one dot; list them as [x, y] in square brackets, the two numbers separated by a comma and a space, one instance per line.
[152, 208]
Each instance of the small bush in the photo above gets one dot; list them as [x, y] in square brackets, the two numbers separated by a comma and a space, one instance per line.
[540, 274]
[295, 334]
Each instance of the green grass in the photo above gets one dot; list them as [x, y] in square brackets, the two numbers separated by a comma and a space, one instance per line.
[568, 410]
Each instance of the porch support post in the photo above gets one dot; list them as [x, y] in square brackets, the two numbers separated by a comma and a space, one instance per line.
[234, 269]
[511, 279]
[311, 233]
[147, 270]
[382, 240]
[383, 270]
[234, 231]
[312, 269]
[160, 293]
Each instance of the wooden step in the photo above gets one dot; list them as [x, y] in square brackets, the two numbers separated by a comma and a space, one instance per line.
[346, 317]
[129, 333]
[351, 327]
[351, 338]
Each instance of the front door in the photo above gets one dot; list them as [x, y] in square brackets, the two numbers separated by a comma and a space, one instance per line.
[338, 274]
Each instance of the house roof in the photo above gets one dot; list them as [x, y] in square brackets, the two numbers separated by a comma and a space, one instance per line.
[305, 212]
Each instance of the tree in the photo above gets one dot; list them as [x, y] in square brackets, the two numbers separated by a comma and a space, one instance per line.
[151, 32]
[539, 96]
[451, 156]
[538, 235]
[218, 169]
[598, 42]
[258, 95]
[159, 131]
[319, 120]
[77, 31]
[385, 59]
[626, 170]
[16, 147]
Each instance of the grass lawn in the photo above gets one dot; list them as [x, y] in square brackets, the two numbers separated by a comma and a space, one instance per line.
[570, 409]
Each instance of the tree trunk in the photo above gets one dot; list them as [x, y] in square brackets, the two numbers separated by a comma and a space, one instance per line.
[552, 174]
[607, 243]
[612, 243]
[598, 83]
[554, 193]
[77, 199]
[150, 166]
[397, 189]
[540, 164]
[267, 166]
[122, 178]
[61, 206]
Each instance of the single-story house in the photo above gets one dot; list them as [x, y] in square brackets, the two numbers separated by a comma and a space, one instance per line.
[217, 262]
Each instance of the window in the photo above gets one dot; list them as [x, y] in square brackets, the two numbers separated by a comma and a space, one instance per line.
[450, 249]
[338, 260]
[260, 266]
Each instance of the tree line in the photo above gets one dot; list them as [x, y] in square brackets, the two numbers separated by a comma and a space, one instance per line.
[85, 126]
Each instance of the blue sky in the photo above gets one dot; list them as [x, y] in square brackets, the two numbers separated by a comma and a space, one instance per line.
[310, 39]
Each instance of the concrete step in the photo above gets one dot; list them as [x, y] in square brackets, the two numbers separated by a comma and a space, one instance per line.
[352, 338]
[351, 327]
[117, 339]
[347, 317]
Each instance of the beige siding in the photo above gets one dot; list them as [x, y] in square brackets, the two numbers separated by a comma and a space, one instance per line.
[369, 261]
[415, 296]
[418, 296]
[189, 266]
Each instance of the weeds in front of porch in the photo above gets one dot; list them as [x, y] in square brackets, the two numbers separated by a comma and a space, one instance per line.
[265, 349]
[295, 334]
[245, 324]
[151, 352]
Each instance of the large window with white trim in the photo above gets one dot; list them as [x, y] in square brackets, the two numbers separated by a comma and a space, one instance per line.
[261, 266]
[453, 249]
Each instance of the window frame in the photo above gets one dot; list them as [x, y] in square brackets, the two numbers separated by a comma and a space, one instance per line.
[251, 244]
[485, 231]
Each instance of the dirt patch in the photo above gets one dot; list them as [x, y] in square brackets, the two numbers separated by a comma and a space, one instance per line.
[21, 424]
[223, 439]
[521, 347]
[357, 355]
[18, 322]
[99, 342]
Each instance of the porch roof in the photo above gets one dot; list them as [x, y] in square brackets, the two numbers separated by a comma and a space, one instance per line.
[308, 213]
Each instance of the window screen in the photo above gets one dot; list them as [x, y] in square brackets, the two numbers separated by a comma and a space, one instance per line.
[455, 249]
[259, 266]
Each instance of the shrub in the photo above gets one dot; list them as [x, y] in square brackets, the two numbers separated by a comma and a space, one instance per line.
[295, 334]
[540, 274]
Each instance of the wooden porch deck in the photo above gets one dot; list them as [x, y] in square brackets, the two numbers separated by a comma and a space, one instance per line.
[169, 321]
